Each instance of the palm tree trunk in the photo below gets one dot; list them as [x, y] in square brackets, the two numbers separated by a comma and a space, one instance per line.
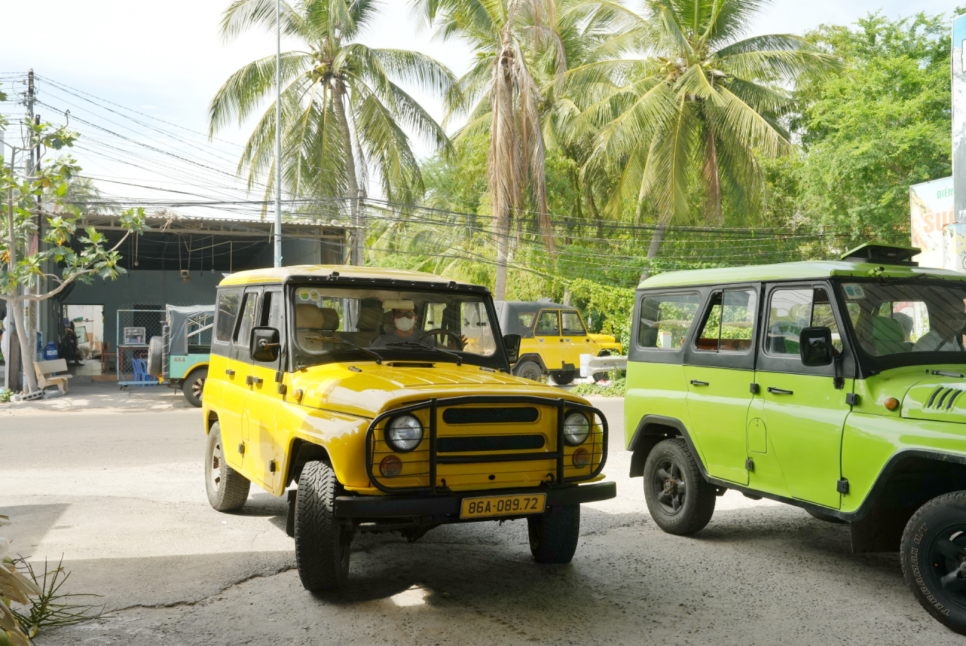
[655, 247]
[502, 250]
[357, 235]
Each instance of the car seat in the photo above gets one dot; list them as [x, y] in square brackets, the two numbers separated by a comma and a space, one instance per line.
[312, 321]
[370, 322]
[888, 337]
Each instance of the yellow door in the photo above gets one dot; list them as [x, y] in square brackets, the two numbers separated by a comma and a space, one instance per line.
[574, 337]
[263, 401]
[236, 389]
[546, 333]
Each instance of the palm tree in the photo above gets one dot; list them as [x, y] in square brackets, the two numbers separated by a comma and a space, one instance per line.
[501, 96]
[342, 110]
[696, 107]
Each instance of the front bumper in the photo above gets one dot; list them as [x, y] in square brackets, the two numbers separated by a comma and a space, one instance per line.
[446, 508]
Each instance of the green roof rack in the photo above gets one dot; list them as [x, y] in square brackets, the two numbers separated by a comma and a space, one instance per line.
[887, 254]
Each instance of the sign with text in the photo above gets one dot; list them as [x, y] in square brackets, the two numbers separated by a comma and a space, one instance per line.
[931, 206]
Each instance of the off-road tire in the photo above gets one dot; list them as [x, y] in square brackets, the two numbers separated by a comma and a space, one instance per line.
[828, 518]
[925, 561]
[554, 534]
[155, 356]
[193, 386]
[680, 512]
[528, 370]
[227, 489]
[563, 377]
[321, 541]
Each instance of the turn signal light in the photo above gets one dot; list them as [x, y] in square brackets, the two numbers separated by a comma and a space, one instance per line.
[892, 403]
[581, 458]
[391, 466]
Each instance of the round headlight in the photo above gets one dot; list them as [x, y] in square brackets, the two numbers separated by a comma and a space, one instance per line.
[404, 433]
[576, 429]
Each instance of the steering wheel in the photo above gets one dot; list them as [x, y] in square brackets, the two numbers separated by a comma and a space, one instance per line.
[435, 331]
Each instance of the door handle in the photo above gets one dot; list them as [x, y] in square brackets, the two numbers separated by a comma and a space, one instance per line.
[229, 372]
[254, 380]
[695, 382]
[779, 391]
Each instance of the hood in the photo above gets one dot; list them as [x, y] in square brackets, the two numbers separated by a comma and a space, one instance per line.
[936, 398]
[366, 389]
[602, 338]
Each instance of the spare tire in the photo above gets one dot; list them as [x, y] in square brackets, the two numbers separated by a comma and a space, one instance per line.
[155, 358]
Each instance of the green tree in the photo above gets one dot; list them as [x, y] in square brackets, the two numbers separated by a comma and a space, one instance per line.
[77, 256]
[696, 108]
[502, 97]
[342, 109]
[882, 126]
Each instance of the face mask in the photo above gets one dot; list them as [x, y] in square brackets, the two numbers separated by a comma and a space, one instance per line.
[404, 324]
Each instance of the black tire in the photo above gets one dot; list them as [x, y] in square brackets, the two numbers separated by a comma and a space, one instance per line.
[321, 541]
[828, 518]
[528, 370]
[193, 386]
[554, 535]
[227, 489]
[933, 553]
[601, 376]
[563, 377]
[155, 355]
[680, 500]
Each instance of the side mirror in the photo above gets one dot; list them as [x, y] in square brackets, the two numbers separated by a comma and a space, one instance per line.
[511, 343]
[815, 346]
[264, 345]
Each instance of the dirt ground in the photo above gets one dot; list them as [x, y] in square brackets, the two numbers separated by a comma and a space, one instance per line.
[118, 491]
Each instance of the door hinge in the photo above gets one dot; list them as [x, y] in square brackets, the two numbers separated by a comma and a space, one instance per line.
[755, 389]
[749, 465]
[851, 399]
[272, 466]
[838, 383]
[241, 448]
[842, 486]
[282, 389]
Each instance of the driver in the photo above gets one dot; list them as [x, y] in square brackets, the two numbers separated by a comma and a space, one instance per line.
[947, 329]
[404, 328]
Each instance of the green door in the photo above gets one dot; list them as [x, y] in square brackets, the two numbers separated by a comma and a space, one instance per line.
[719, 371]
[796, 444]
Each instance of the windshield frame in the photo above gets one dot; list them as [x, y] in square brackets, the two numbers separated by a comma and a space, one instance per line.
[302, 360]
[871, 364]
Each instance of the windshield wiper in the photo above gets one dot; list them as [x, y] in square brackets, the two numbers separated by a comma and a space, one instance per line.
[332, 339]
[415, 344]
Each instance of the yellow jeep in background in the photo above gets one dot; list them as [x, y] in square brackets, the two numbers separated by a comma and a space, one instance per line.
[553, 337]
[387, 396]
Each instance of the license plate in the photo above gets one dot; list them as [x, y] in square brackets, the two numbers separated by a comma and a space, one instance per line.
[515, 505]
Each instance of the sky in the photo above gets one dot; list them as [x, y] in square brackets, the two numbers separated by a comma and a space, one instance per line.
[166, 61]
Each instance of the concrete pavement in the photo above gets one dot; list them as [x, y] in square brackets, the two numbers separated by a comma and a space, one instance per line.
[121, 496]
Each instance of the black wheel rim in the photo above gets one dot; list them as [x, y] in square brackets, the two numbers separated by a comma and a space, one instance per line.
[531, 373]
[669, 487]
[946, 569]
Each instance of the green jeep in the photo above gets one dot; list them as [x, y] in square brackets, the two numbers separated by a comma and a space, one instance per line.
[833, 386]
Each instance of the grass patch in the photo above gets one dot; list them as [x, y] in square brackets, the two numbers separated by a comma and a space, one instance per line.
[615, 389]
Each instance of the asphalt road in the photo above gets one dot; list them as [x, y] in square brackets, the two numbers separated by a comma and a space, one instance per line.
[121, 496]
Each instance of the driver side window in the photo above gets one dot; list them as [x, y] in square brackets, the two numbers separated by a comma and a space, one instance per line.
[792, 310]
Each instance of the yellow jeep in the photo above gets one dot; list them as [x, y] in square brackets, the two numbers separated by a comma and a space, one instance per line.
[387, 396]
[553, 338]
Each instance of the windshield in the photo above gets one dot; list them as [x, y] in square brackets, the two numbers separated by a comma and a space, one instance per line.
[893, 318]
[349, 323]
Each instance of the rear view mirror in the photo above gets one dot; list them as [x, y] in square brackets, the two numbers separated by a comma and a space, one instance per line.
[815, 346]
[511, 343]
[264, 346]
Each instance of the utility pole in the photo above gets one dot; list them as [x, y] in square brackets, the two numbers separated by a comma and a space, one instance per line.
[32, 317]
[278, 135]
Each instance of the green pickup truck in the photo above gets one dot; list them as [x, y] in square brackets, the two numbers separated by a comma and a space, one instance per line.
[837, 387]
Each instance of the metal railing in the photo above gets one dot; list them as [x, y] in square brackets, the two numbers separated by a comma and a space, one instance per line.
[561, 406]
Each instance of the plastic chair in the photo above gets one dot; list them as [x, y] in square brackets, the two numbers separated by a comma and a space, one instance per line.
[140, 371]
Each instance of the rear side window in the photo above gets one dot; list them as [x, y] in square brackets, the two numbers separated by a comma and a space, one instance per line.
[730, 322]
[665, 320]
[227, 314]
[548, 324]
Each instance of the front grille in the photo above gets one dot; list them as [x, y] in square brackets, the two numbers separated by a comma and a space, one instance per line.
[489, 443]
[943, 396]
[489, 415]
